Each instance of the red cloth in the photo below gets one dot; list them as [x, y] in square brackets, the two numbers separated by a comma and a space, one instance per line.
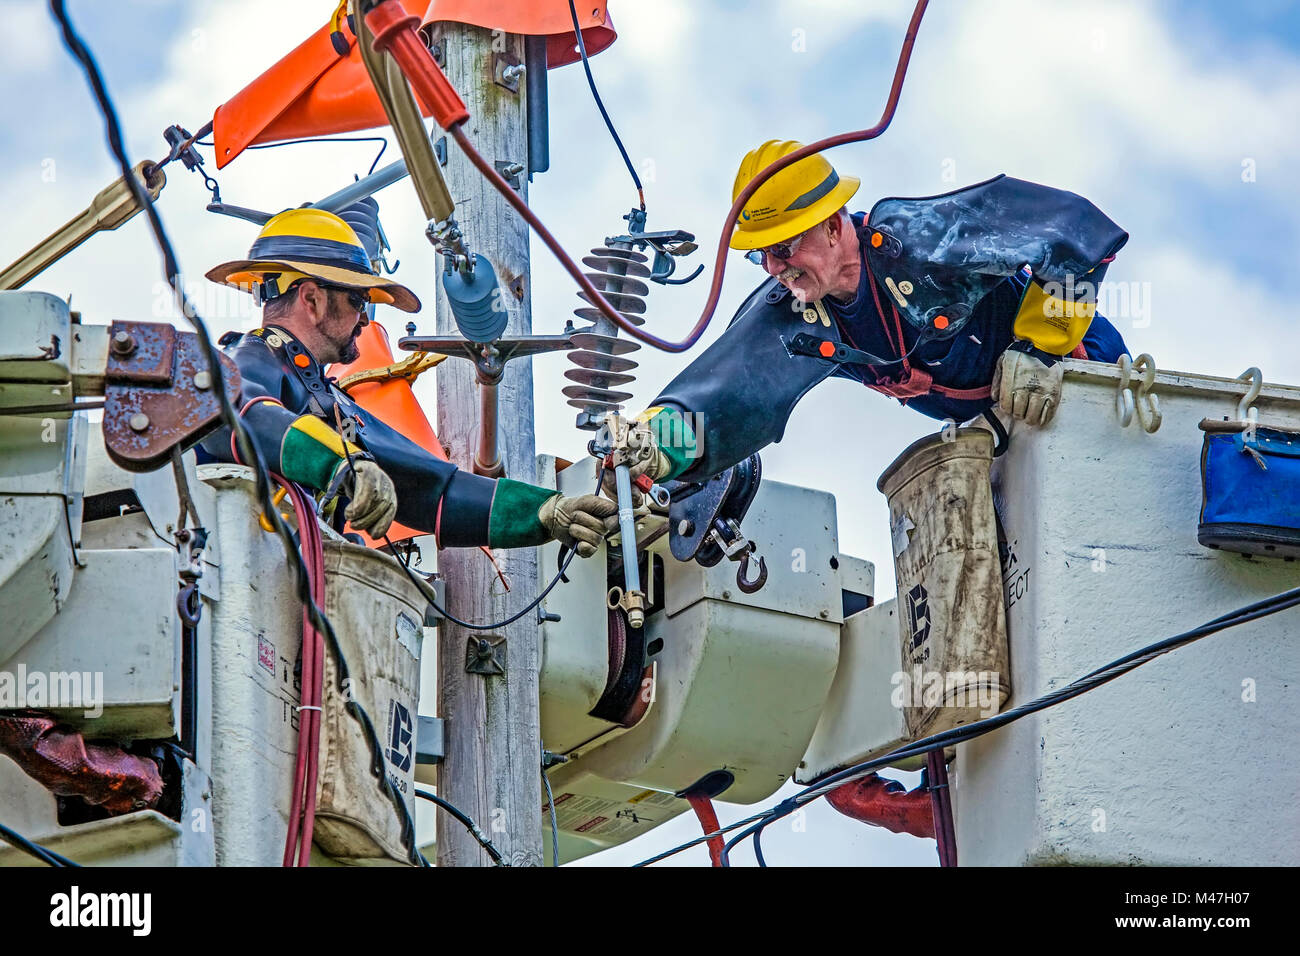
[62, 762]
[885, 803]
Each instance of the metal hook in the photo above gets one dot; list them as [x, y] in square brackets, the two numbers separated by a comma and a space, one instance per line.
[1140, 400]
[664, 280]
[742, 580]
[1148, 405]
[1245, 411]
[1124, 404]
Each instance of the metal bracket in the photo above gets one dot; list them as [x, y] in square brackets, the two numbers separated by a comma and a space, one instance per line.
[485, 655]
[430, 741]
[158, 393]
[507, 71]
[440, 150]
[510, 172]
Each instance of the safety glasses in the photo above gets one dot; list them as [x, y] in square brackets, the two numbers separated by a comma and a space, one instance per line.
[357, 302]
[780, 250]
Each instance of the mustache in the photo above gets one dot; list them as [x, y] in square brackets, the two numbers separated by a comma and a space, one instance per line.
[789, 274]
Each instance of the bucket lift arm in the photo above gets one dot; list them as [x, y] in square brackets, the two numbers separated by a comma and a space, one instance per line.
[112, 206]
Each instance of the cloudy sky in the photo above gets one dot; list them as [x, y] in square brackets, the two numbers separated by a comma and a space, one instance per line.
[1176, 117]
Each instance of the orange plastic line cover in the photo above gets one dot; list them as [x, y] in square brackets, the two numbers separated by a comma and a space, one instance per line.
[313, 91]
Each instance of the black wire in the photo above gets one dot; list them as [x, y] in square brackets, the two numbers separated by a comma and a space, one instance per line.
[555, 826]
[428, 594]
[44, 854]
[247, 450]
[702, 839]
[758, 845]
[1103, 675]
[591, 81]
[465, 821]
[422, 585]
[322, 139]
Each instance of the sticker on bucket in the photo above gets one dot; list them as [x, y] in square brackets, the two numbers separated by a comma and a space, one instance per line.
[901, 533]
[400, 736]
[409, 634]
[918, 614]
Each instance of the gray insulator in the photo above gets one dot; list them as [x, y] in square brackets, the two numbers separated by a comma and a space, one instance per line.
[617, 271]
[475, 301]
[363, 217]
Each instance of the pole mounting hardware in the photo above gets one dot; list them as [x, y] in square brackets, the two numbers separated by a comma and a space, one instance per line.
[486, 655]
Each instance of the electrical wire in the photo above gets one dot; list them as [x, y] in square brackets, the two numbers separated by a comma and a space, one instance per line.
[1102, 675]
[758, 846]
[465, 821]
[321, 139]
[427, 590]
[609, 124]
[696, 842]
[247, 450]
[555, 825]
[457, 132]
[44, 854]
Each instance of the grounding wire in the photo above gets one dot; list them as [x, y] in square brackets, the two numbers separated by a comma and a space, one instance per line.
[247, 450]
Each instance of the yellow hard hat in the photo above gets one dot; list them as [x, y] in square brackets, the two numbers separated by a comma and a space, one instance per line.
[793, 201]
[310, 244]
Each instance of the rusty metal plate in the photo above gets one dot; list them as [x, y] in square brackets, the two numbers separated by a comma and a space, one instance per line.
[146, 415]
[148, 355]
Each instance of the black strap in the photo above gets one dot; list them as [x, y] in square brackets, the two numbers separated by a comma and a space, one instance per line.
[1004, 440]
[841, 354]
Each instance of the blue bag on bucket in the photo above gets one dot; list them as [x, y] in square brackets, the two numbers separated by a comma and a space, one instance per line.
[1250, 480]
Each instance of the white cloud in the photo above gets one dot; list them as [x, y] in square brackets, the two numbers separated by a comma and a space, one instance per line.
[29, 20]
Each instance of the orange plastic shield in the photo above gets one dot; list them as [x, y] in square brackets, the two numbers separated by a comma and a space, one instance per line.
[313, 91]
[393, 402]
[548, 18]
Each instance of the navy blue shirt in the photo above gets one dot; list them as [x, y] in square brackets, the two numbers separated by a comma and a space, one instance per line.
[966, 361]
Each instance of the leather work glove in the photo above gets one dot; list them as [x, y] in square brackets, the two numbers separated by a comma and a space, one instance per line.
[648, 459]
[1026, 387]
[373, 502]
[579, 523]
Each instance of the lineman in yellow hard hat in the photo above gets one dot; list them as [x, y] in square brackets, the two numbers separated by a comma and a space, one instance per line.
[950, 304]
[314, 278]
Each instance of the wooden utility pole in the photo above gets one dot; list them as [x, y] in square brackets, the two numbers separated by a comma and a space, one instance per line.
[492, 765]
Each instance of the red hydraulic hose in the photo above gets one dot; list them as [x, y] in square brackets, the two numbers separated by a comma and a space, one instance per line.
[703, 808]
[316, 684]
[302, 810]
[941, 802]
[395, 32]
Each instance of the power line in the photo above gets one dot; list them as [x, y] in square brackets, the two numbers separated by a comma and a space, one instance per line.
[44, 854]
[609, 124]
[1094, 679]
